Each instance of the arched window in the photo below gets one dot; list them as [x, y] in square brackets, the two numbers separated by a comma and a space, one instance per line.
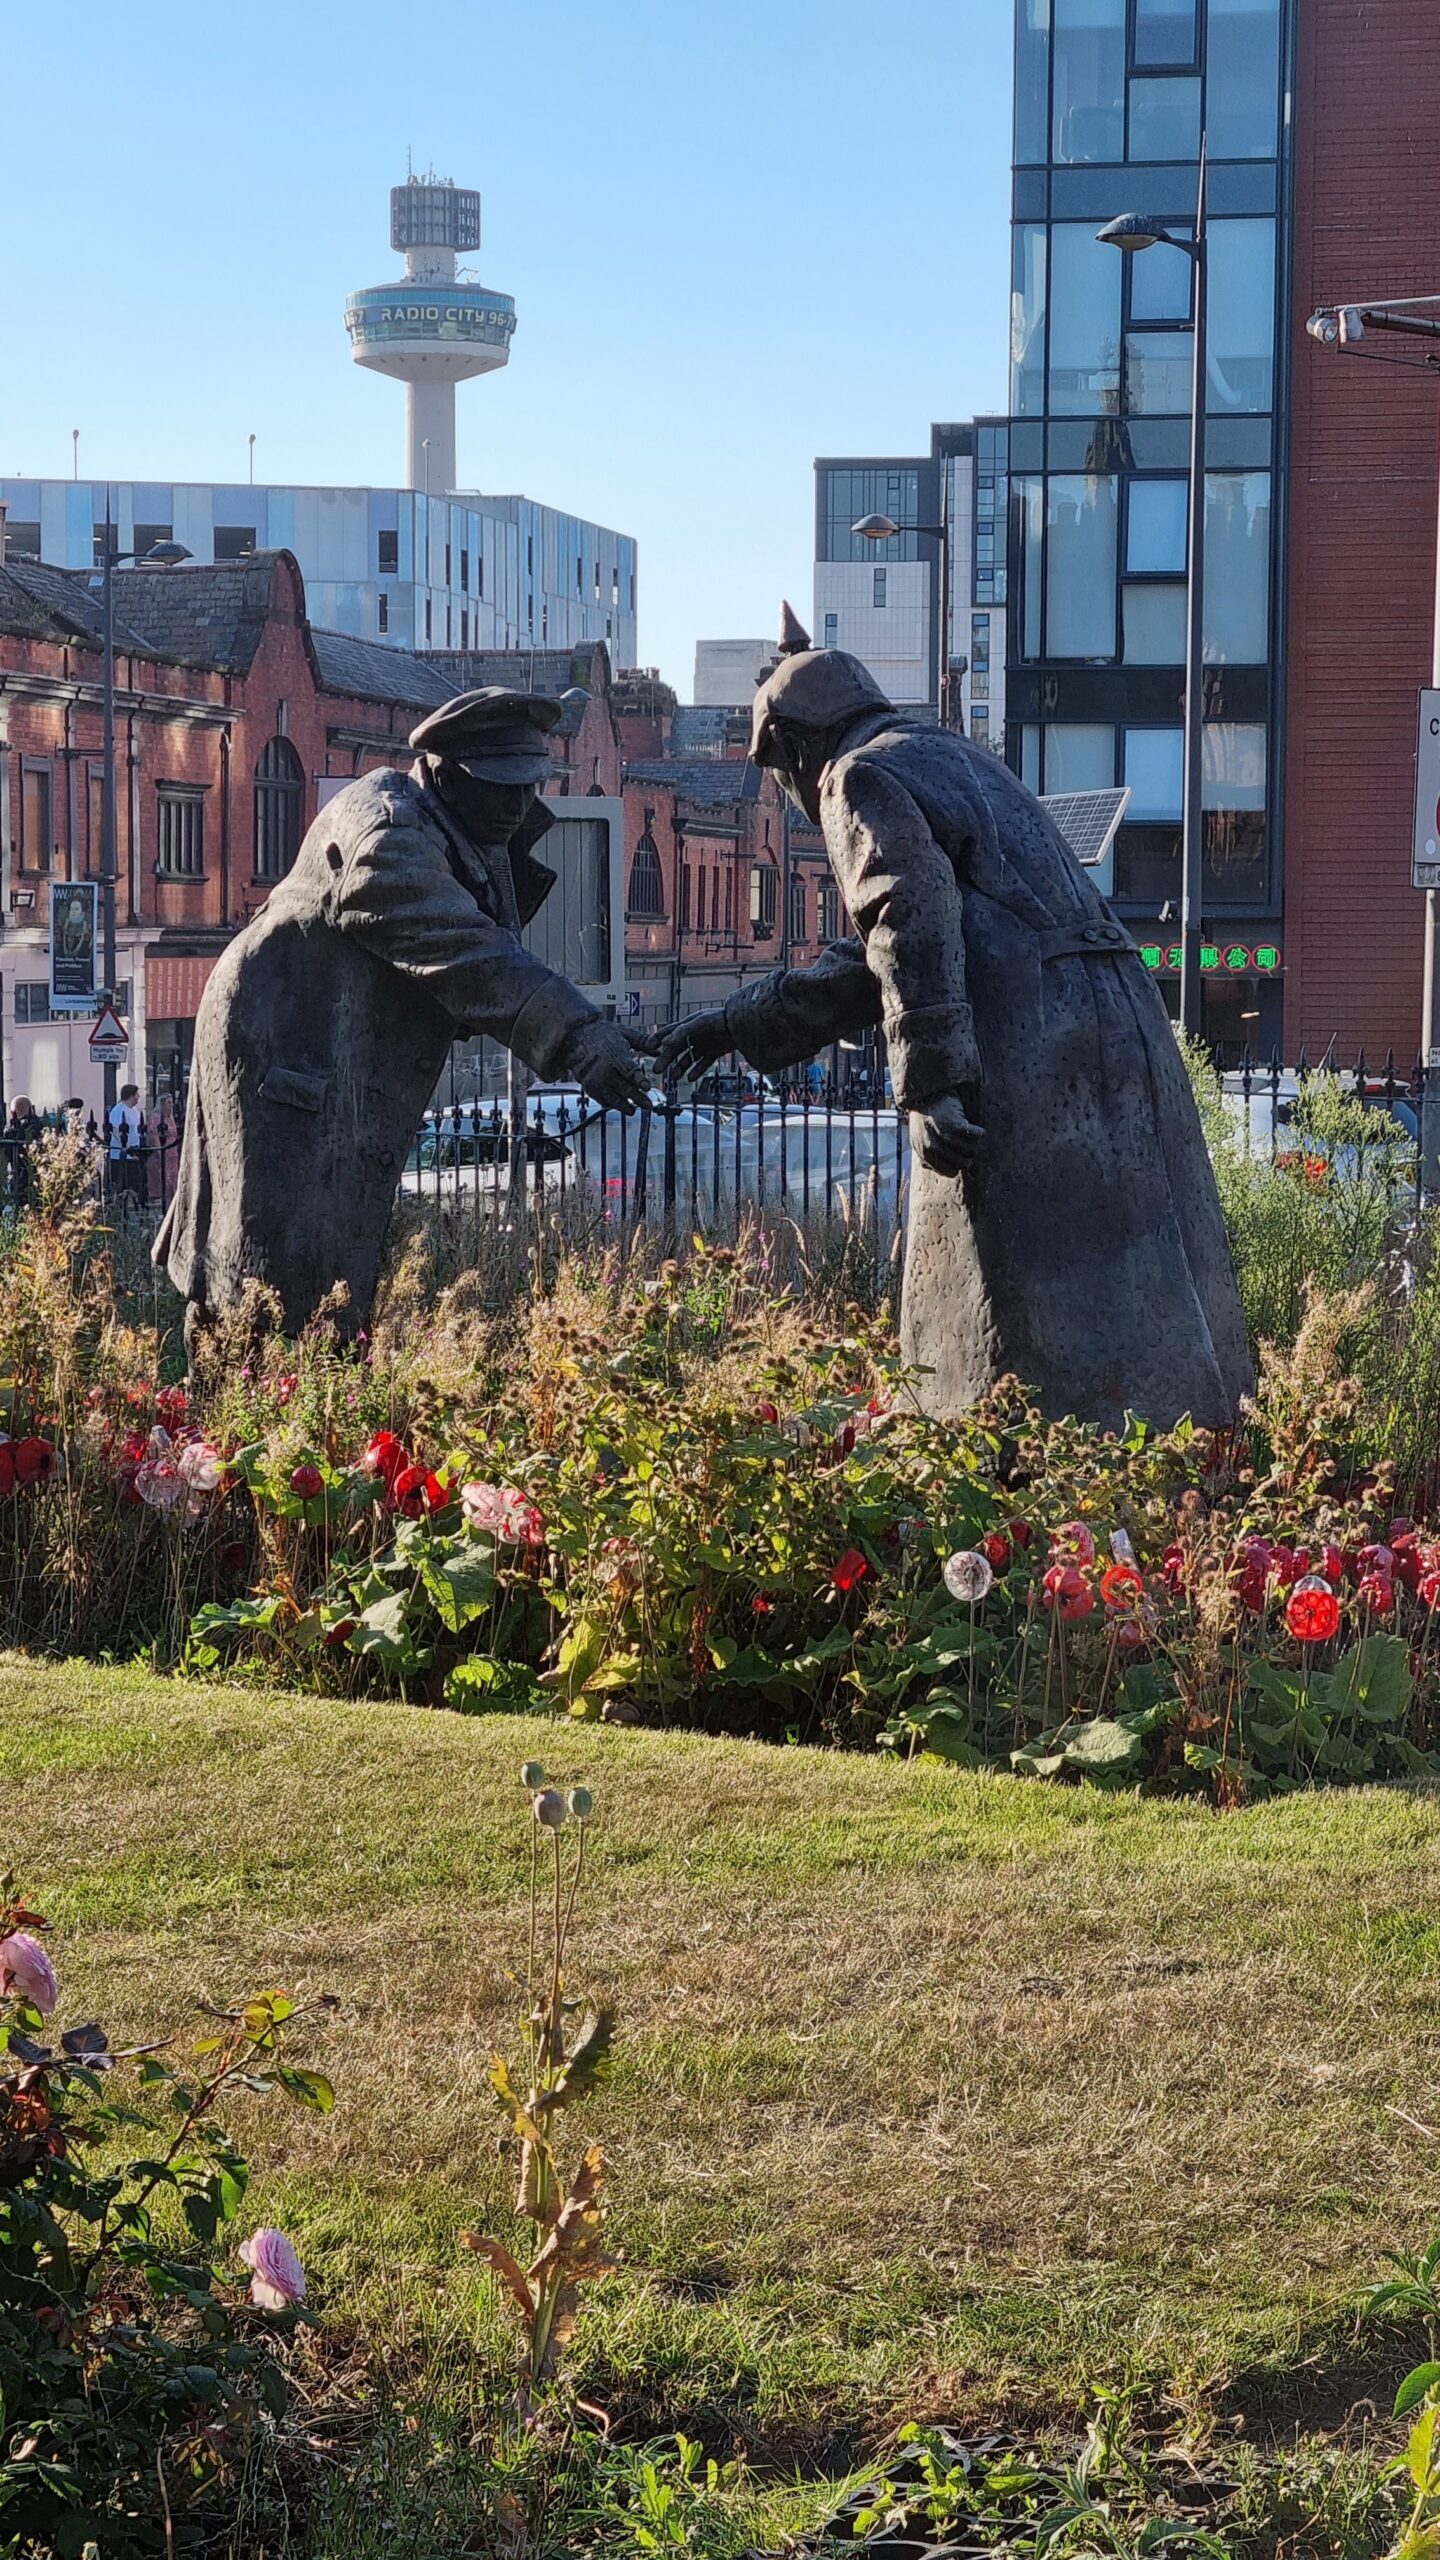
[279, 809]
[647, 885]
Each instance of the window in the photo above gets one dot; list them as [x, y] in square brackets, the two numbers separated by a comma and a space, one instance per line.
[279, 809]
[464, 571]
[1156, 527]
[1162, 280]
[1079, 757]
[382, 613]
[180, 817]
[684, 895]
[32, 1000]
[979, 639]
[646, 879]
[22, 541]
[1155, 771]
[428, 622]
[234, 541]
[1241, 301]
[729, 897]
[797, 919]
[848, 495]
[980, 723]
[1243, 79]
[877, 597]
[571, 932]
[147, 535]
[1153, 620]
[1232, 795]
[763, 880]
[1030, 756]
[464, 627]
[1084, 321]
[1027, 502]
[448, 626]
[1080, 565]
[1027, 320]
[36, 815]
[1164, 120]
[388, 554]
[579, 577]
[1237, 568]
[832, 630]
[448, 580]
[829, 915]
[1159, 370]
[1165, 31]
[1089, 87]
[1032, 80]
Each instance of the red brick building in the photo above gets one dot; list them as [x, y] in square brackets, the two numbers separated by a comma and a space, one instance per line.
[1364, 467]
[235, 721]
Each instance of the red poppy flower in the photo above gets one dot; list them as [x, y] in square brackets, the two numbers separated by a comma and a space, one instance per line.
[1284, 1568]
[337, 1634]
[996, 1551]
[761, 1606]
[1175, 1569]
[385, 1456]
[845, 1439]
[439, 1491]
[307, 1481]
[1129, 1633]
[1331, 1563]
[767, 1411]
[1021, 1533]
[851, 1568]
[1312, 1613]
[1377, 1558]
[1066, 1589]
[407, 1491]
[1409, 1564]
[1377, 1592]
[1122, 1588]
[34, 1461]
[172, 1404]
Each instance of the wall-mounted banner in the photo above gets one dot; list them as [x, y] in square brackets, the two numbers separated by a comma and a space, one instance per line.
[73, 921]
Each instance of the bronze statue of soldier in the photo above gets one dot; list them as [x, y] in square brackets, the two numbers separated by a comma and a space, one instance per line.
[1064, 1224]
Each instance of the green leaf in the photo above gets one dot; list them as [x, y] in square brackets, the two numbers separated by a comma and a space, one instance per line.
[460, 1579]
[1418, 2383]
[310, 2087]
[1105, 1749]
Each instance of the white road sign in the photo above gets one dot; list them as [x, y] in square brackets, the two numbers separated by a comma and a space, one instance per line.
[1425, 866]
[109, 1041]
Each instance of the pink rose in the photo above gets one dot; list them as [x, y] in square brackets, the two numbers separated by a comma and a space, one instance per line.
[504, 1512]
[276, 2275]
[27, 1973]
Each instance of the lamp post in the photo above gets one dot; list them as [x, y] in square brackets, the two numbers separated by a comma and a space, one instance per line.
[160, 555]
[883, 529]
[1132, 232]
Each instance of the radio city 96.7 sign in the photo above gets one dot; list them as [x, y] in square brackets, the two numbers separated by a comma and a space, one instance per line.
[72, 945]
[1425, 865]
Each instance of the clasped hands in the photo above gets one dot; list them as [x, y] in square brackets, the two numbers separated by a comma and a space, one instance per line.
[942, 1135]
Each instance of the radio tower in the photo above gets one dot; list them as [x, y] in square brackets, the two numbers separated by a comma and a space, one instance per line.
[435, 328]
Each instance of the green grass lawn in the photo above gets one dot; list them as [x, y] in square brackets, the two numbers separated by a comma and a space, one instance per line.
[936, 2093]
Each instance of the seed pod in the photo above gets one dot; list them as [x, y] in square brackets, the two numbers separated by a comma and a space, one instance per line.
[532, 1775]
[581, 1803]
[549, 1808]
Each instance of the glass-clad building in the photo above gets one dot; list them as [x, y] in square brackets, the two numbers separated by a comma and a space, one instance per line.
[1111, 100]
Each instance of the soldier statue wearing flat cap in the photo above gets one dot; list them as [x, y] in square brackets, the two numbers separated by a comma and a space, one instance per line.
[1064, 1221]
[323, 1029]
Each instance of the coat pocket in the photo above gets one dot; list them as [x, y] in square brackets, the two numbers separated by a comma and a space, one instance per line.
[297, 1087]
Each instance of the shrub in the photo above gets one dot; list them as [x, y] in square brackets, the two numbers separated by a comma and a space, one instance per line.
[133, 2377]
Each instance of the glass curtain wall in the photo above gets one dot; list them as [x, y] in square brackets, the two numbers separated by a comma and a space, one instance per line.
[1111, 100]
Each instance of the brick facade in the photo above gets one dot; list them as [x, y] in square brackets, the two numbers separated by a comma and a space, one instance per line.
[1364, 463]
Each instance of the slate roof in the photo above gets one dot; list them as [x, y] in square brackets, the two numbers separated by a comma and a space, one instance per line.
[374, 673]
[50, 604]
[203, 617]
[712, 782]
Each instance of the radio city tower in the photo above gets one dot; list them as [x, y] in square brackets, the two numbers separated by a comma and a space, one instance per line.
[435, 328]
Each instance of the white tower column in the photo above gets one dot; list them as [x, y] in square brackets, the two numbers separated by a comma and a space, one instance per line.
[430, 420]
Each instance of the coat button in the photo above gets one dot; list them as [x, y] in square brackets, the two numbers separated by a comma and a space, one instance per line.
[1097, 934]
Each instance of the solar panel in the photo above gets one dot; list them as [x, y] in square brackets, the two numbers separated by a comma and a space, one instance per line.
[1087, 819]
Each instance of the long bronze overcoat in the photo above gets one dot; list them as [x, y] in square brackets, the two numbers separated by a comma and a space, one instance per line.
[323, 1029]
[1085, 1252]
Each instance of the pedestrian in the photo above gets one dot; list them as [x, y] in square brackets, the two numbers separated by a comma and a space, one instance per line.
[22, 1129]
[127, 1131]
[162, 1153]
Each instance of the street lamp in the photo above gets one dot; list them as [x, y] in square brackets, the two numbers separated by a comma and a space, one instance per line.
[1132, 233]
[161, 555]
[883, 529]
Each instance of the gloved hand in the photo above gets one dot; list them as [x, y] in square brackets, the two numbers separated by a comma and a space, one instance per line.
[943, 1137]
[600, 1058]
[688, 1048]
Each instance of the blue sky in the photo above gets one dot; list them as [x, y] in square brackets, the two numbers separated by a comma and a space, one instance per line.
[738, 235]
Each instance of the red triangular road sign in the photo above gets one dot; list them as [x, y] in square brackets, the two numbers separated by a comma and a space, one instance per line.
[109, 1031]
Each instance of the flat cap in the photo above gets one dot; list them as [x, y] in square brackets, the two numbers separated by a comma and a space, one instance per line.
[813, 689]
[499, 734]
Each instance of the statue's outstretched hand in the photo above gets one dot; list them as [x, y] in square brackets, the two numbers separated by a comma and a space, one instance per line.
[943, 1137]
[688, 1048]
[601, 1059]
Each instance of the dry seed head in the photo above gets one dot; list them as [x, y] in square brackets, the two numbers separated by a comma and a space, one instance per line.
[549, 1809]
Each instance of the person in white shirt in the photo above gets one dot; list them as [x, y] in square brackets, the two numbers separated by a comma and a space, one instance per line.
[127, 1125]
